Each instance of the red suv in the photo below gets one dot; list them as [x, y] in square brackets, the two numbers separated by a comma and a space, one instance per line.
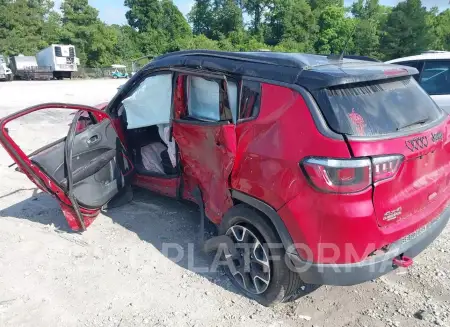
[316, 170]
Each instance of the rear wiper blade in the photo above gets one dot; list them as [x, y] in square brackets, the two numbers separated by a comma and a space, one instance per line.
[417, 122]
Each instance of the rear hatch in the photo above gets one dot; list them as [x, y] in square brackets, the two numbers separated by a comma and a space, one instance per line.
[404, 133]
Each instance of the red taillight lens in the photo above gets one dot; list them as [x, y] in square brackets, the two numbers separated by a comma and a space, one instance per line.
[338, 175]
[350, 175]
[385, 167]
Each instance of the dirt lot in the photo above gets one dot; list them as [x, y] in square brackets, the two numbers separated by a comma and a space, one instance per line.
[115, 274]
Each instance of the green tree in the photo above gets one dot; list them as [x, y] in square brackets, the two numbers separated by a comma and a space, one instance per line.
[443, 30]
[366, 9]
[51, 30]
[160, 24]
[319, 5]
[293, 21]
[201, 17]
[93, 40]
[173, 22]
[335, 31]
[227, 18]
[78, 12]
[127, 46]
[440, 28]
[200, 42]
[144, 15]
[367, 33]
[23, 26]
[406, 30]
[366, 38]
[255, 9]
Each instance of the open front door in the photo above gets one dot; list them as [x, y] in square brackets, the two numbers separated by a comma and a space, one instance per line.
[203, 128]
[83, 170]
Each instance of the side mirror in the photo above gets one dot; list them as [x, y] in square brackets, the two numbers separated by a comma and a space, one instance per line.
[120, 87]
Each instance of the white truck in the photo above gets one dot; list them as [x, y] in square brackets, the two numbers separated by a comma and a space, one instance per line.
[5, 72]
[61, 58]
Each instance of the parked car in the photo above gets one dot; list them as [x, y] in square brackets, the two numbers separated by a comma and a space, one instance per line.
[434, 74]
[315, 171]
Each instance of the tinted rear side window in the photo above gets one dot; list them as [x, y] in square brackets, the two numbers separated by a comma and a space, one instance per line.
[435, 78]
[378, 107]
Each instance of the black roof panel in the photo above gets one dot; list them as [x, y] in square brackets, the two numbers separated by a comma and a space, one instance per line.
[308, 70]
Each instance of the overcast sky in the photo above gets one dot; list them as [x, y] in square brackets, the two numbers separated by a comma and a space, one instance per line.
[113, 11]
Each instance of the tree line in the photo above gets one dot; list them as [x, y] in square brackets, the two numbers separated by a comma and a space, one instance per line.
[157, 26]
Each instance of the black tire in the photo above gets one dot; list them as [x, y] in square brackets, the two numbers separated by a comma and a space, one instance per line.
[285, 285]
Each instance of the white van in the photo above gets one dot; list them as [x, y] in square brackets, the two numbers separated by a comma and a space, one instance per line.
[434, 74]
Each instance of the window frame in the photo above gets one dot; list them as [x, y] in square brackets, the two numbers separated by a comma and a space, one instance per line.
[424, 64]
[256, 114]
[126, 91]
[218, 77]
[129, 87]
[142, 80]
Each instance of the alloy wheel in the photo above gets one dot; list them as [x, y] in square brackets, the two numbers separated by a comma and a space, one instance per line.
[251, 262]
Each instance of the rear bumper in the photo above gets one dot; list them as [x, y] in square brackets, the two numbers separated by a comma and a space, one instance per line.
[373, 267]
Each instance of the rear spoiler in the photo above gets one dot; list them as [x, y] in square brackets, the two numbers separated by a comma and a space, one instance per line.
[365, 58]
[350, 72]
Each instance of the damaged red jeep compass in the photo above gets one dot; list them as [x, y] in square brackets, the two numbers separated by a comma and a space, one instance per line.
[331, 171]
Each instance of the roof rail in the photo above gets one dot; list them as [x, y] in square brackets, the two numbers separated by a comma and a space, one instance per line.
[241, 56]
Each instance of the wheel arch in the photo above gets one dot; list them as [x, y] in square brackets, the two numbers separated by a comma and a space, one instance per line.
[269, 214]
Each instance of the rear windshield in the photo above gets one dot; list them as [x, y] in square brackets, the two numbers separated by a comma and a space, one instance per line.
[377, 107]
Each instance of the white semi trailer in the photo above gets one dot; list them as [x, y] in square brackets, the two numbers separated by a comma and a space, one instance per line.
[61, 58]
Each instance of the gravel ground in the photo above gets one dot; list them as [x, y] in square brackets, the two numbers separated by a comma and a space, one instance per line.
[115, 274]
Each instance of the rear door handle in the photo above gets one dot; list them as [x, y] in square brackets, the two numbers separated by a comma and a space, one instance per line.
[93, 140]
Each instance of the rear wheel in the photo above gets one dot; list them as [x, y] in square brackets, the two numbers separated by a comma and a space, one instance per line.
[254, 272]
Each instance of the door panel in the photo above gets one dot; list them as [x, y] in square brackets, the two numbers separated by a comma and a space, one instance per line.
[207, 154]
[93, 165]
[100, 166]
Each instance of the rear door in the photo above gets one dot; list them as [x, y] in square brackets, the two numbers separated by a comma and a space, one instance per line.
[404, 133]
[83, 170]
[205, 109]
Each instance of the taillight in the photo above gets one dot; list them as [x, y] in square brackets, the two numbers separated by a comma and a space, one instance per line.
[338, 175]
[385, 167]
[349, 175]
